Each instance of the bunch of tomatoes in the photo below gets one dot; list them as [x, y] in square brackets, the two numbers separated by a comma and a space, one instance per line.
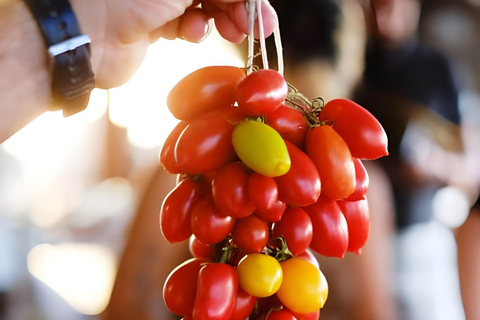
[265, 176]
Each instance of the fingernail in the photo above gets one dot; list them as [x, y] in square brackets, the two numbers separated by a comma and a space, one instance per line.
[208, 29]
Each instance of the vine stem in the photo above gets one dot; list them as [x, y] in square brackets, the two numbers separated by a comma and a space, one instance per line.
[251, 23]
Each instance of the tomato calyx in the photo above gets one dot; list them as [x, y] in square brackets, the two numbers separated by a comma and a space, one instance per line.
[310, 108]
[277, 248]
[224, 251]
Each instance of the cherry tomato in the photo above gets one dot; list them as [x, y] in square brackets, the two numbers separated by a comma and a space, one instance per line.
[363, 133]
[261, 148]
[229, 191]
[273, 214]
[361, 181]
[333, 160]
[244, 305]
[279, 315]
[290, 123]
[167, 157]
[217, 287]
[208, 225]
[358, 220]
[262, 191]
[300, 186]
[259, 275]
[261, 92]
[204, 90]
[199, 249]
[307, 316]
[175, 214]
[180, 287]
[268, 303]
[304, 288]
[296, 228]
[309, 257]
[250, 234]
[205, 144]
[330, 230]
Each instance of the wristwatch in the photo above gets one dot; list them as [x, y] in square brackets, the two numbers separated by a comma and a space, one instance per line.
[69, 53]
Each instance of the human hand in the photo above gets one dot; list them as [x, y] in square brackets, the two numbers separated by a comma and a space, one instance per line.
[121, 30]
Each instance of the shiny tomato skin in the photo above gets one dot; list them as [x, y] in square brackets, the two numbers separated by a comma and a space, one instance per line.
[308, 256]
[296, 228]
[262, 191]
[199, 249]
[268, 303]
[300, 186]
[205, 144]
[280, 315]
[304, 288]
[244, 305]
[272, 214]
[259, 275]
[229, 191]
[175, 213]
[290, 123]
[204, 90]
[358, 220]
[331, 156]
[361, 181]
[217, 287]
[167, 156]
[261, 92]
[330, 230]
[362, 132]
[180, 287]
[308, 316]
[250, 234]
[208, 225]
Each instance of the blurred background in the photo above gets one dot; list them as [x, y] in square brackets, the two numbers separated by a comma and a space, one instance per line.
[80, 197]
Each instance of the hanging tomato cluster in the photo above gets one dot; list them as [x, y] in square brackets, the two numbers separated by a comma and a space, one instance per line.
[264, 176]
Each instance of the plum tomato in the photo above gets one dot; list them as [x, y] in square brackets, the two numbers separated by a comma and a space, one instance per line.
[259, 275]
[300, 186]
[290, 123]
[262, 191]
[167, 156]
[199, 249]
[250, 234]
[261, 148]
[306, 316]
[261, 92]
[296, 228]
[205, 144]
[358, 220]
[175, 213]
[204, 90]
[229, 191]
[208, 225]
[361, 131]
[272, 214]
[180, 287]
[330, 230]
[278, 315]
[217, 287]
[361, 181]
[304, 288]
[244, 305]
[308, 256]
[331, 156]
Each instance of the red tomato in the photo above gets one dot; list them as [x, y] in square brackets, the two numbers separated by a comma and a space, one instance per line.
[361, 181]
[309, 316]
[290, 123]
[217, 287]
[358, 220]
[296, 229]
[268, 303]
[262, 191]
[278, 315]
[199, 249]
[167, 157]
[208, 225]
[180, 287]
[204, 90]
[363, 133]
[261, 92]
[205, 144]
[308, 256]
[229, 191]
[244, 305]
[333, 160]
[300, 186]
[273, 214]
[330, 230]
[175, 214]
[250, 234]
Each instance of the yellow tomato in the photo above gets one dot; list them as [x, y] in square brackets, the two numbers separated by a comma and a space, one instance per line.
[304, 288]
[261, 148]
[259, 275]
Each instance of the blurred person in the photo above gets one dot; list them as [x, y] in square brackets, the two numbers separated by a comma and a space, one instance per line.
[120, 33]
[468, 242]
